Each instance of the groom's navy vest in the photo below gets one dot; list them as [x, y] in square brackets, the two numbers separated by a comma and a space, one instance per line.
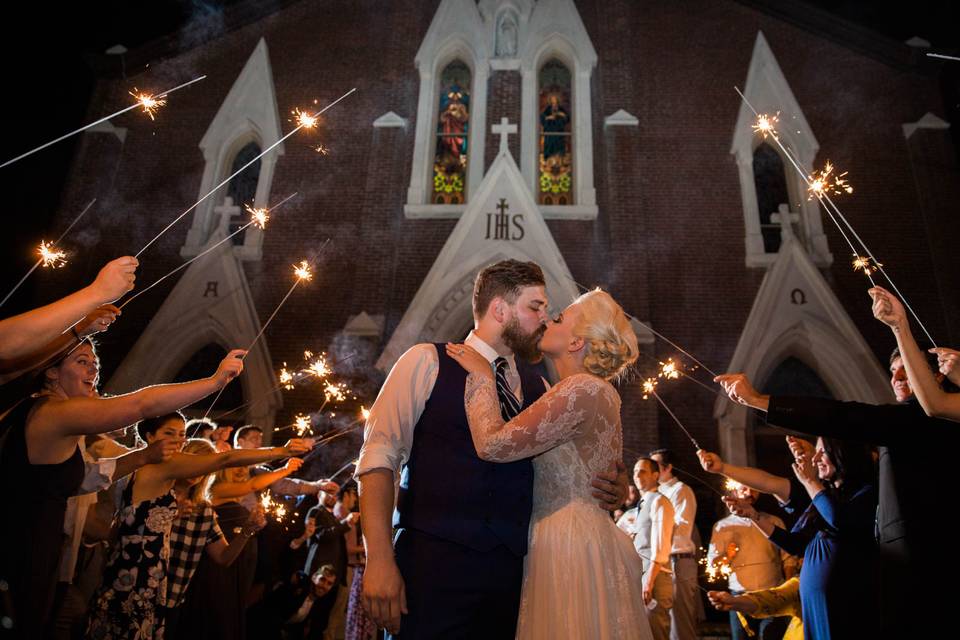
[446, 490]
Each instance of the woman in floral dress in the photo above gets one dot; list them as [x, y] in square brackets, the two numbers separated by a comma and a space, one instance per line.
[133, 595]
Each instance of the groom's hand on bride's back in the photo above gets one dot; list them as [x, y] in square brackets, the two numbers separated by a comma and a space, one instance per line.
[384, 594]
[610, 489]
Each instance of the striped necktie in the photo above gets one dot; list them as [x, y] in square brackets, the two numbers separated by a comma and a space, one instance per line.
[509, 405]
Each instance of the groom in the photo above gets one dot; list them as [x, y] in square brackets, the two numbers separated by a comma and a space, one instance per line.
[456, 566]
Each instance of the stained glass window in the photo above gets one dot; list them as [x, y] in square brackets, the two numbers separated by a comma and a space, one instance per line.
[770, 181]
[556, 137]
[243, 188]
[453, 132]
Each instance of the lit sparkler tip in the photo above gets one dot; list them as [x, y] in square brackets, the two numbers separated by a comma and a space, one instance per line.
[731, 485]
[364, 412]
[272, 508]
[51, 256]
[322, 149]
[649, 387]
[304, 119]
[824, 183]
[286, 378]
[766, 124]
[149, 103]
[669, 370]
[258, 216]
[301, 424]
[868, 266]
[318, 367]
[302, 271]
[335, 392]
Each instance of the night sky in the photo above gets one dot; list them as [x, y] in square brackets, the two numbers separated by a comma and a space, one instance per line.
[48, 71]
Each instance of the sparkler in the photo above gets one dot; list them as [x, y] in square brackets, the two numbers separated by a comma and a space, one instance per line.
[50, 256]
[156, 99]
[286, 378]
[302, 273]
[766, 125]
[731, 485]
[318, 367]
[649, 385]
[716, 571]
[364, 413]
[663, 404]
[241, 169]
[832, 209]
[273, 508]
[322, 150]
[824, 182]
[258, 218]
[668, 370]
[304, 119]
[149, 103]
[301, 424]
[862, 263]
[943, 57]
[41, 260]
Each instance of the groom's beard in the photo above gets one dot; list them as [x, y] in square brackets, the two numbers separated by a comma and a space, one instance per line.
[525, 346]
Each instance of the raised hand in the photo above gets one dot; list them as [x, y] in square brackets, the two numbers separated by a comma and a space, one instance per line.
[800, 448]
[740, 389]
[230, 367]
[115, 279]
[711, 462]
[293, 464]
[298, 446]
[97, 320]
[161, 450]
[740, 507]
[948, 360]
[887, 308]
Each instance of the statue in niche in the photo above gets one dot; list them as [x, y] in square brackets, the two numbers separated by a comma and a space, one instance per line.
[506, 42]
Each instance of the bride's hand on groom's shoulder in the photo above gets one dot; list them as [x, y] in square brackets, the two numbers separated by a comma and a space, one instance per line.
[468, 358]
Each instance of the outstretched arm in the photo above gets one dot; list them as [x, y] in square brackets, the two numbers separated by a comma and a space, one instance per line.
[757, 479]
[185, 465]
[227, 490]
[29, 332]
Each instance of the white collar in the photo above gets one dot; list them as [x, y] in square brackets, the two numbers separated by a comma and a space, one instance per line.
[486, 350]
[669, 483]
[649, 494]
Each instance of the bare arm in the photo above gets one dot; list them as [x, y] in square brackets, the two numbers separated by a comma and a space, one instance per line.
[223, 552]
[228, 490]
[384, 595]
[84, 416]
[185, 465]
[758, 479]
[29, 332]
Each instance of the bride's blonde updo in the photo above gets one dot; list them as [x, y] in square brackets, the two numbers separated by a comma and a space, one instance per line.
[611, 344]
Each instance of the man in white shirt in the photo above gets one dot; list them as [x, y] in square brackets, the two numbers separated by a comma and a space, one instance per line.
[683, 554]
[461, 522]
[755, 563]
[650, 524]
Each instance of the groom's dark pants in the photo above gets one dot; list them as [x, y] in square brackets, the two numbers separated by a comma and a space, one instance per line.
[455, 592]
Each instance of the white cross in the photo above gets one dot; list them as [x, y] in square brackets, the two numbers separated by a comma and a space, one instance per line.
[504, 129]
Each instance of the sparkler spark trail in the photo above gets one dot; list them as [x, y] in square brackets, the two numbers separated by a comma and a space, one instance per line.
[162, 94]
[318, 367]
[731, 485]
[302, 271]
[301, 424]
[258, 217]
[823, 183]
[829, 205]
[255, 221]
[40, 260]
[286, 378]
[304, 119]
[237, 172]
[668, 370]
[766, 125]
[863, 264]
[322, 149]
[364, 413]
[649, 386]
[273, 508]
[149, 103]
[50, 256]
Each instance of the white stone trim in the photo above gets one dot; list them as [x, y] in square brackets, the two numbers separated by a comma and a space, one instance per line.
[248, 113]
[556, 31]
[456, 32]
[928, 121]
[109, 128]
[769, 92]
[441, 309]
[621, 118]
[818, 332]
[390, 120]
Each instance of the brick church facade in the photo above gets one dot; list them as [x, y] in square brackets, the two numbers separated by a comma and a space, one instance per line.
[666, 201]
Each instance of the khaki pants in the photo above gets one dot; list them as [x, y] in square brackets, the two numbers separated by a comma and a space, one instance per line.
[683, 615]
[659, 616]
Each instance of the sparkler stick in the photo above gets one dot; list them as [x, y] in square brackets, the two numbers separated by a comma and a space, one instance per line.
[943, 57]
[344, 468]
[41, 259]
[828, 204]
[142, 101]
[659, 335]
[663, 404]
[258, 219]
[304, 120]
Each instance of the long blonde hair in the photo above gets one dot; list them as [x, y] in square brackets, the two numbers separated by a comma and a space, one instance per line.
[200, 492]
[611, 344]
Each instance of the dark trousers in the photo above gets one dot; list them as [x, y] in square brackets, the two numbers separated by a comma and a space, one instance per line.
[763, 629]
[454, 592]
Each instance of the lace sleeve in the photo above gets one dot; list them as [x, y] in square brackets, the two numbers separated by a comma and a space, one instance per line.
[555, 418]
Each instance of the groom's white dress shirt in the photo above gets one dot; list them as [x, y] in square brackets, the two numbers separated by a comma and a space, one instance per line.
[388, 435]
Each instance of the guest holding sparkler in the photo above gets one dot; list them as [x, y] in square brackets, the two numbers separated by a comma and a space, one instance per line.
[31, 333]
[41, 450]
[926, 386]
[134, 589]
[754, 562]
[835, 537]
[908, 467]
[781, 601]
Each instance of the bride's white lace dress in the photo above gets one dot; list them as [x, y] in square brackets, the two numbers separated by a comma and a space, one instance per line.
[582, 576]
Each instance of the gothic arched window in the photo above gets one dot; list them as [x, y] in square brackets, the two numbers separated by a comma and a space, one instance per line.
[243, 188]
[769, 178]
[453, 135]
[556, 134]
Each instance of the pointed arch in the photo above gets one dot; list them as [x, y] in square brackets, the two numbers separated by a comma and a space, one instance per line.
[769, 92]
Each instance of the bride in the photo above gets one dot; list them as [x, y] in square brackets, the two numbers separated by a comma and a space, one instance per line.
[582, 576]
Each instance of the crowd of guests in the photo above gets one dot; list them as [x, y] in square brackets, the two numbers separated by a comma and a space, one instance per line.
[127, 520]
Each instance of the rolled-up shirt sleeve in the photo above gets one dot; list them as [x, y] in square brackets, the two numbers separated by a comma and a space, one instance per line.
[388, 433]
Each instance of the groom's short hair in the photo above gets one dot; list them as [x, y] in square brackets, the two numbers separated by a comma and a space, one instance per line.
[504, 279]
